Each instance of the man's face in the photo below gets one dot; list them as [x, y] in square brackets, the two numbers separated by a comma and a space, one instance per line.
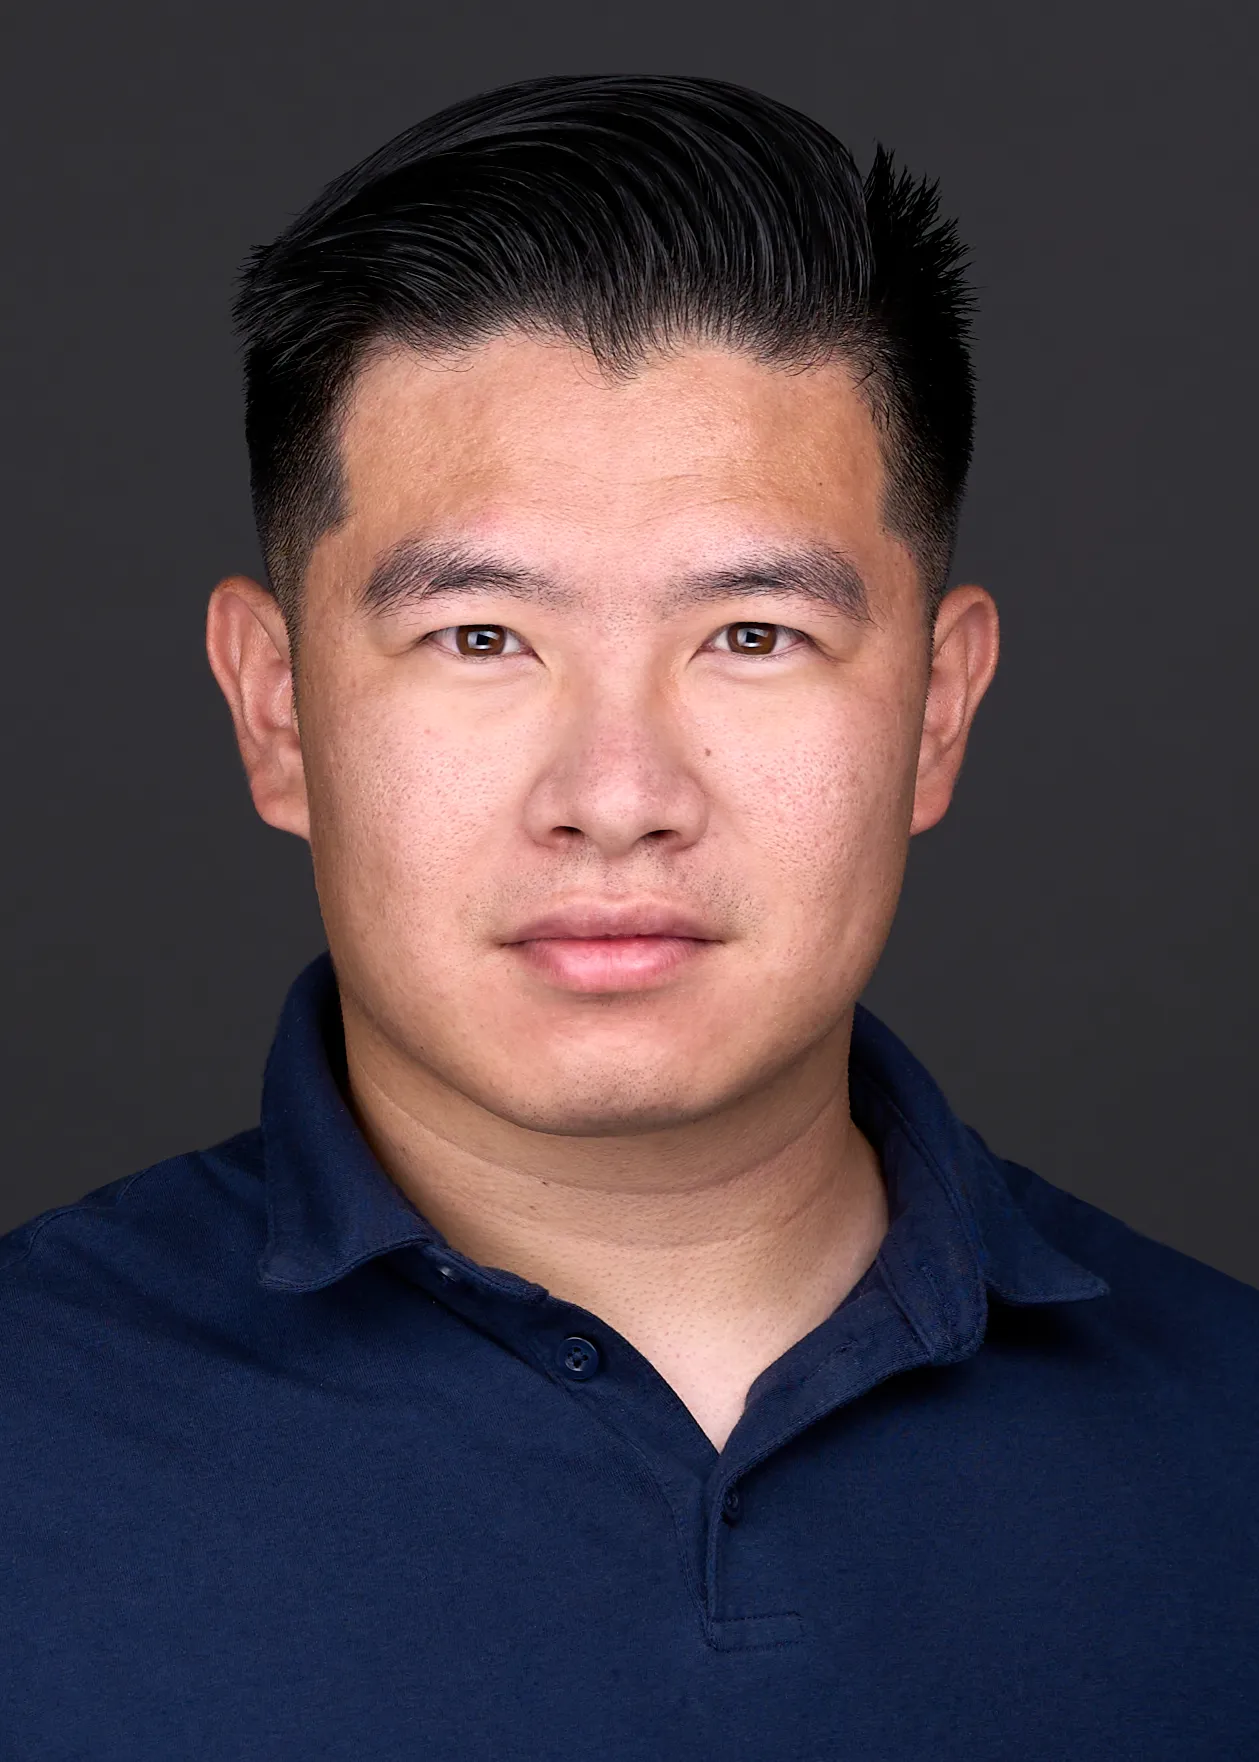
[611, 703]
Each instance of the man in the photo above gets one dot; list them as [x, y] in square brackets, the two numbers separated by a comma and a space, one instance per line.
[611, 1346]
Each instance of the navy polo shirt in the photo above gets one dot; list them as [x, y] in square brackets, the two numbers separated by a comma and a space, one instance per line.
[284, 1476]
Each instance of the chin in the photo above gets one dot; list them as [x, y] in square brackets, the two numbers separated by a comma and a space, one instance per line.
[614, 1108]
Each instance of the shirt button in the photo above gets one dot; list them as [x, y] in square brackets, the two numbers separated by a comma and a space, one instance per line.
[579, 1358]
[732, 1505]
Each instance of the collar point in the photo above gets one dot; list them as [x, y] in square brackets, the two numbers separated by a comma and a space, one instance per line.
[283, 1272]
[1073, 1284]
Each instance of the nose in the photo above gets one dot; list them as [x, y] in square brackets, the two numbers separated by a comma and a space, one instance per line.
[617, 775]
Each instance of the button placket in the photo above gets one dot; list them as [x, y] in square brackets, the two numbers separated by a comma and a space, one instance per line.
[729, 1630]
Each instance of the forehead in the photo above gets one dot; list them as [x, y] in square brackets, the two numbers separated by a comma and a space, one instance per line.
[528, 440]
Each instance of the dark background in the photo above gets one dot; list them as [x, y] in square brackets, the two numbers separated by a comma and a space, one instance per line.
[1074, 955]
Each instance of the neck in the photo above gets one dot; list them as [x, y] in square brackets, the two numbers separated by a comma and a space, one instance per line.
[711, 1247]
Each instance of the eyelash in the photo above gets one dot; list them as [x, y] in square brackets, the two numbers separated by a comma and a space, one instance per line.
[452, 631]
[778, 629]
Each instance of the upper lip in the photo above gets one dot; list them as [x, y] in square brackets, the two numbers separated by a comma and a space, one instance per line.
[613, 918]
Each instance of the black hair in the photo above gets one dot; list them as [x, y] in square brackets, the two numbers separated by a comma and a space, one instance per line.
[627, 214]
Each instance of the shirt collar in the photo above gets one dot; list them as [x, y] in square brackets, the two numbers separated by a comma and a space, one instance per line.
[330, 1205]
[955, 1230]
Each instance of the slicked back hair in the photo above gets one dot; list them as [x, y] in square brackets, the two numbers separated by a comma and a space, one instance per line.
[628, 215]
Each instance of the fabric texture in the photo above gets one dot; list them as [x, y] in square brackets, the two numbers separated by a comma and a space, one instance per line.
[282, 1475]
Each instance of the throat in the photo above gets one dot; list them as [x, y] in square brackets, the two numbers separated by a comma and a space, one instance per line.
[712, 1323]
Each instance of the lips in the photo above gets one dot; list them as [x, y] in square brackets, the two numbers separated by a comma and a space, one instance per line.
[605, 947]
[593, 922]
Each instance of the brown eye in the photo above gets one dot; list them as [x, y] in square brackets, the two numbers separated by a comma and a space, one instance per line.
[752, 639]
[480, 639]
[477, 642]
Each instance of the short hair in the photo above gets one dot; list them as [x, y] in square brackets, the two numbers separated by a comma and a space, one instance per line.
[628, 215]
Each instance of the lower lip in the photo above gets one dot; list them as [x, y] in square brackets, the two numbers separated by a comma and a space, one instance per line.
[608, 963]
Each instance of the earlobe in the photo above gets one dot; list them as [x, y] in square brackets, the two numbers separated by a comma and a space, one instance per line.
[248, 648]
[964, 659]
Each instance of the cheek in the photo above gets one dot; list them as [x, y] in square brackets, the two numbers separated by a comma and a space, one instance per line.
[824, 799]
[405, 806]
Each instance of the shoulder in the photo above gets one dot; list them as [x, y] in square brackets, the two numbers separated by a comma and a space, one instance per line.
[1180, 1313]
[202, 1213]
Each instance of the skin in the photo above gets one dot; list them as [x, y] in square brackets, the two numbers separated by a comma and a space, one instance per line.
[654, 1128]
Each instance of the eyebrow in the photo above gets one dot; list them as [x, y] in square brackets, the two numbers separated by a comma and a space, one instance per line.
[415, 570]
[820, 573]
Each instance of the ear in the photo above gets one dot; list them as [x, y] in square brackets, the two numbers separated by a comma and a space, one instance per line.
[963, 661]
[248, 646]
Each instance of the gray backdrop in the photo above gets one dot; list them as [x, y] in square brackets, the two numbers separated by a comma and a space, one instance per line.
[1073, 957]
